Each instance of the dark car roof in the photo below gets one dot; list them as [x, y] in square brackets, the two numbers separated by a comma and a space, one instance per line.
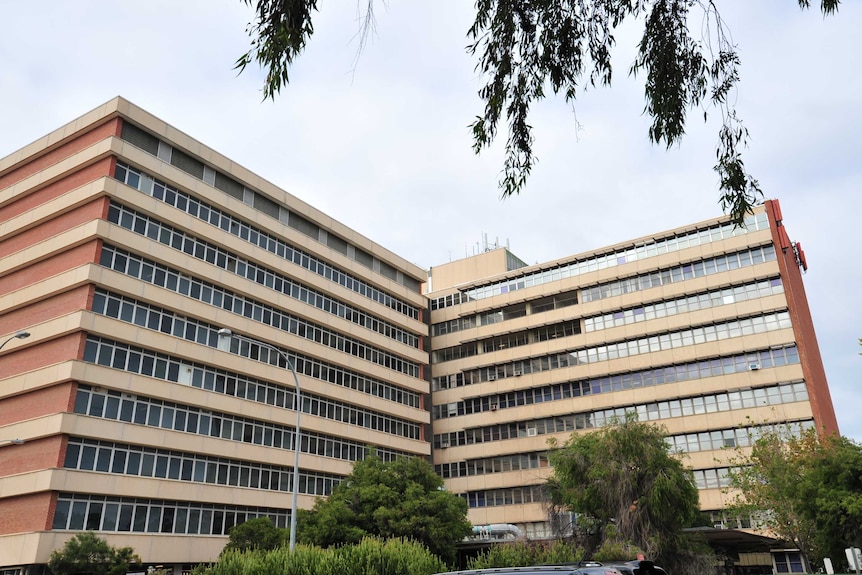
[582, 568]
[542, 570]
[637, 568]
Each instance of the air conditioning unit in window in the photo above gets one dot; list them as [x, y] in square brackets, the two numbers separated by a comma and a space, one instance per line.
[444, 444]
[719, 526]
[493, 406]
[516, 372]
[753, 366]
[532, 432]
[492, 377]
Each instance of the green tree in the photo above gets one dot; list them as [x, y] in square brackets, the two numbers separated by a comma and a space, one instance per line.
[807, 488]
[90, 554]
[400, 498]
[627, 489]
[527, 47]
[258, 533]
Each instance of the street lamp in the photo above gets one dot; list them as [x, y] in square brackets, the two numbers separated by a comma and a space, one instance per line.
[18, 335]
[225, 332]
[15, 441]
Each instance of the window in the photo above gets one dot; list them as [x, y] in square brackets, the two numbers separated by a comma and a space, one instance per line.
[153, 516]
[788, 562]
[620, 257]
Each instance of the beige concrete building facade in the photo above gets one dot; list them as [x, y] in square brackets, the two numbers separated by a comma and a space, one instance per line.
[125, 246]
[703, 329]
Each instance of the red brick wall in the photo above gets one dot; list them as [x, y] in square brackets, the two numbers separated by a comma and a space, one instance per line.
[803, 326]
[34, 455]
[70, 181]
[47, 353]
[48, 401]
[81, 141]
[64, 303]
[27, 513]
[82, 214]
[60, 262]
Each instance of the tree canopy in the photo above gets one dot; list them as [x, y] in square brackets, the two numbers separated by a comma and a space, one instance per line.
[400, 498]
[807, 488]
[625, 486]
[527, 48]
[88, 553]
[258, 533]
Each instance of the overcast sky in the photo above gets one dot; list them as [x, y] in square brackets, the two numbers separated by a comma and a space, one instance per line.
[382, 143]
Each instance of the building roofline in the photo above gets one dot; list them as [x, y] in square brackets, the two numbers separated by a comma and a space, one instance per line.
[604, 250]
[121, 107]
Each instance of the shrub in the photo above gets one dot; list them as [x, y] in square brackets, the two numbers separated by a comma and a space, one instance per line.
[524, 553]
[371, 555]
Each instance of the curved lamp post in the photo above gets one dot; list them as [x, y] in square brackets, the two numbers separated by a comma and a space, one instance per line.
[226, 333]
[18, 335]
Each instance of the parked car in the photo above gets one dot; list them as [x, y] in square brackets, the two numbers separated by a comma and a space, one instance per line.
[640, 567]
[590, 568]
[581, 568]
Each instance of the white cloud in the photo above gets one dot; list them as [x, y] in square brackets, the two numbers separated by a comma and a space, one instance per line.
[385, 148]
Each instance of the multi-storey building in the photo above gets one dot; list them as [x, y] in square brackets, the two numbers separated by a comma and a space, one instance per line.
[125, 247]
[704, 329]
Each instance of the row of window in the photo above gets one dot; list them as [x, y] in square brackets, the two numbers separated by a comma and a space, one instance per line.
[131, 409]
[515, 430]
[78, 512]
[626, 348]
[518, 462]
[141, 268]
[725, 520]
[515, 339]
[131, 220]
[160, 366]
[725, 401]
[633, 380]
[363, 417]
[680, 273]
[688, 443]
[649, 249]
[116, 458]
[685, 304]
[493, 316]
[260, 238]
[243, 268]
[153, 317]
[637, 283]
[507, 496]
[703, 479]
[730, 438]
[712, 478]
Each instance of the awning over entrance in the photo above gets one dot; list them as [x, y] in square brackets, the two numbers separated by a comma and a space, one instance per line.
[736, 540]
